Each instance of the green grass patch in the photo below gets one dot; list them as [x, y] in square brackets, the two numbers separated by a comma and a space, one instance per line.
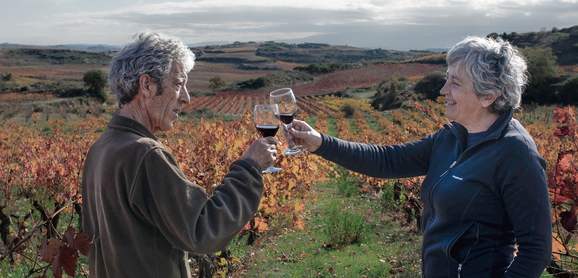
[382, 246]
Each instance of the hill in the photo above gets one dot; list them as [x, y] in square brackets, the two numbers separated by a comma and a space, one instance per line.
[564, 42]
[242, 61]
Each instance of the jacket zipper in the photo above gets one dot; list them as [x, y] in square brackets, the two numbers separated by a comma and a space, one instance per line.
[432, 190]
[459, 270]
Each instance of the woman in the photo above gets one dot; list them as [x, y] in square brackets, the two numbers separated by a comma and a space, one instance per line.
[485, 188]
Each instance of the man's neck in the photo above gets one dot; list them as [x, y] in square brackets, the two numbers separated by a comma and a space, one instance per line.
[135, 110]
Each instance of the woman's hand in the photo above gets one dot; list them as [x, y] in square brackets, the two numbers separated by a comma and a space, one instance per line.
[302, 134]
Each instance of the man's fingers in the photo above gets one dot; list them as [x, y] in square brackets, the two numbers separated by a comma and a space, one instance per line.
[270, 140]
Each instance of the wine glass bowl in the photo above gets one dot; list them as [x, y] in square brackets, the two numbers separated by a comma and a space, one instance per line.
[267, 123]
[287, 103]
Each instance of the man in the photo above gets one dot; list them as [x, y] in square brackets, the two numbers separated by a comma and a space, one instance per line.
[141, 209]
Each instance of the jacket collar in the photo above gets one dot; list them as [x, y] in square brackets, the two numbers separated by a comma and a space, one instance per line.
[494, 132]
[130, 125]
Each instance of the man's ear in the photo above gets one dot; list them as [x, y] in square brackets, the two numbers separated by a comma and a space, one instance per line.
[144, 85]
[489, 99]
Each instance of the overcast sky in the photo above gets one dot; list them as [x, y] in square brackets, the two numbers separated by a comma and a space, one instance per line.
[387, 24]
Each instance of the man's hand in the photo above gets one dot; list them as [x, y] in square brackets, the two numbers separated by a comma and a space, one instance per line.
[302, 134]
[263, 151]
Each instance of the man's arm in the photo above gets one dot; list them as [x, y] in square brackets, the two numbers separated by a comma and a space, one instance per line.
[181, 210]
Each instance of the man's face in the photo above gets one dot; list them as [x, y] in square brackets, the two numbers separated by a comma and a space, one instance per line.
[164, 108]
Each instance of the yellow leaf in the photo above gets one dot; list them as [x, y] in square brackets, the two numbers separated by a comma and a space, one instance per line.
[299, 206]
[238, 144]
[219, 146]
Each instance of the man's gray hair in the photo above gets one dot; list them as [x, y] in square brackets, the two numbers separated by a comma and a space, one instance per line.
[149, 53]
[494, 67]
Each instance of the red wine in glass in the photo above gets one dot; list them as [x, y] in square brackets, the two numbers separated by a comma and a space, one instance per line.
[286, 118]
[267, 123]
[267, 130]
[287, 103]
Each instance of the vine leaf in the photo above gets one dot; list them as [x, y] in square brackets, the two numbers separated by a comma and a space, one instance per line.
[568, 220]
[49, 251]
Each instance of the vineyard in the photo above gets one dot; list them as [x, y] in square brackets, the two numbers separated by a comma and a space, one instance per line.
[40, 204]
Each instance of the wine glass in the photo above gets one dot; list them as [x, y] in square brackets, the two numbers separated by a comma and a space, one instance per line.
[287, 107]
[267, 123]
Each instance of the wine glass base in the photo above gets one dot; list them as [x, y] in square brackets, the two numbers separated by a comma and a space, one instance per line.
[272, 169]
[293, 151]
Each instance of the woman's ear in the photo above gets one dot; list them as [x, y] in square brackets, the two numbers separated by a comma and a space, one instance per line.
[489, 99]
[144, 85]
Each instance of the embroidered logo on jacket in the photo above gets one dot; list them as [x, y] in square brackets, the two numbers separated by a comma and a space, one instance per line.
[457, 178]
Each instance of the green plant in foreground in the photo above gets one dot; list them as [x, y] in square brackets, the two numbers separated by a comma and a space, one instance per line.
[343, 224]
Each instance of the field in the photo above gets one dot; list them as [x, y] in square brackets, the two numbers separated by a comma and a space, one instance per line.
[44, 140]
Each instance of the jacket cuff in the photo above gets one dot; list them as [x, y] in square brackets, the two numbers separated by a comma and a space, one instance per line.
[248, 162]
[323, 148]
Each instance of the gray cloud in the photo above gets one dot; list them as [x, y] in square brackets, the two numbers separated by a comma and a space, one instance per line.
[389, 24]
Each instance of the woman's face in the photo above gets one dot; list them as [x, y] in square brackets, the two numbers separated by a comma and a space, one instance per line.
[463, 105]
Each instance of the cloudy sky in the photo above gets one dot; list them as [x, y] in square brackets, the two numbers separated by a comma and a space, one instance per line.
[387, 24]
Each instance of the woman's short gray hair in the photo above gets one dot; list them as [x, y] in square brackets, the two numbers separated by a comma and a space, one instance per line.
[494, 67]
[149, 53]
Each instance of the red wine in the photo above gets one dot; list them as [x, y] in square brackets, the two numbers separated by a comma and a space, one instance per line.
[286, 118]
[267, 130]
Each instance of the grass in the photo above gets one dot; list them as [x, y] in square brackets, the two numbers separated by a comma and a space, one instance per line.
[384, 248]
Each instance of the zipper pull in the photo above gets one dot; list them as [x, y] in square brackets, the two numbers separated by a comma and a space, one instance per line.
[451, 166]
[459, 270]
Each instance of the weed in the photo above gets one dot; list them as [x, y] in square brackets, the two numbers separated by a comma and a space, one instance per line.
[343, 224]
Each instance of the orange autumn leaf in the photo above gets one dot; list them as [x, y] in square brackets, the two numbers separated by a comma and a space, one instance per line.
[260, 224]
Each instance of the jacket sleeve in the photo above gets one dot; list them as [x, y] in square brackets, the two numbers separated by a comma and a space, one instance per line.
[180, 209]
[526, 199]
[396, 161]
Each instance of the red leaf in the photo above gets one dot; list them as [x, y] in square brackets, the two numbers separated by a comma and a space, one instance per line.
[568, 220]
[49, 251]
[81, 243]
[563, 115]
[564, 131]
[69, 235]
[56, 269]
[559, 197]
[67, 260]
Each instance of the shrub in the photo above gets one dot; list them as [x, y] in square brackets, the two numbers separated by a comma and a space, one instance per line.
[541, 69]
[7, 76]
[253, 83]
[216, 82]
[101, 95]
[430, 85]
[343, 224]
[569, 92]
[348, 110]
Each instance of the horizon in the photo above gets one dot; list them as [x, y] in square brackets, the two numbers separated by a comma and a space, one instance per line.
[386, 24]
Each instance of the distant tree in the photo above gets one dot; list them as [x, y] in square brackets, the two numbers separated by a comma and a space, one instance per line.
[216, 82]
[542, 70]
[493, 35]
[96, 80]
